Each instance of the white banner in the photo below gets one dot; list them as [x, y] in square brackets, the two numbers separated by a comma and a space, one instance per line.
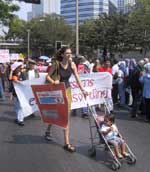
[98, 86]
[4, 56]
[25, 95]
[14, 56]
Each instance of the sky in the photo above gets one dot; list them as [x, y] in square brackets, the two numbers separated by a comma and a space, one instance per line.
[24, 8]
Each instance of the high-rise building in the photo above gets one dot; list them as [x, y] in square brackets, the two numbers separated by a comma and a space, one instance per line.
[124, 6]
[87, 9]
[46, 7]
[113, 6]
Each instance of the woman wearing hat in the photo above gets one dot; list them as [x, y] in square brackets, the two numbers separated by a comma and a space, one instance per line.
[15, 76]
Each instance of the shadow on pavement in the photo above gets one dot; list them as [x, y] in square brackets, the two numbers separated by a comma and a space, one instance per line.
[30, 139]
[6, 119]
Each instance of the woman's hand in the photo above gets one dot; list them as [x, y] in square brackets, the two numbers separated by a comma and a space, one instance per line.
[85, 93]
[56, 82]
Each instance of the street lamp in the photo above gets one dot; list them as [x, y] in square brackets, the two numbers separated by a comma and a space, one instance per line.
[77, 28]
[28, 42]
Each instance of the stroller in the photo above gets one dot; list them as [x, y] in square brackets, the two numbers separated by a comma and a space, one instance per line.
[98, 121]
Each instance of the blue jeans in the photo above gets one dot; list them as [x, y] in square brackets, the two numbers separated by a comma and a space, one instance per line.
[121, 91]
[1, 91]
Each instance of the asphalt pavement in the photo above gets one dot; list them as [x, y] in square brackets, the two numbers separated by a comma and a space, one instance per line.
[23, 149]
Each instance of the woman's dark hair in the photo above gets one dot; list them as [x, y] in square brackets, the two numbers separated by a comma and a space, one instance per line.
[60, 52]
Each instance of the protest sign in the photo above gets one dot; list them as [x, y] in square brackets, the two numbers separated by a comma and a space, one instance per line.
[25, 94]
[4, 56]
[52, 103]
[97, 84]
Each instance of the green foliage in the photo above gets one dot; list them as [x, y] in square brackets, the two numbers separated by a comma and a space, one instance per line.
[6, 10]
[43, 32]
[17, 29]
[118, 32]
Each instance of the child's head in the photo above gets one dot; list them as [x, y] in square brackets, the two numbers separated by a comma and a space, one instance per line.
[109, 119]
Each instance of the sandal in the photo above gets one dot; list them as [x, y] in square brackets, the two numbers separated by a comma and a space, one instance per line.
[70, 148]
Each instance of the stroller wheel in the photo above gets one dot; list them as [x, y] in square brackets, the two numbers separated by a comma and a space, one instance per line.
[92, 152]
[131, 160]
[115, 166]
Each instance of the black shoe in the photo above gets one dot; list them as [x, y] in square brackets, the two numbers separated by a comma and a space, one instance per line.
[20, 123]
[112, 112]
[48, 136]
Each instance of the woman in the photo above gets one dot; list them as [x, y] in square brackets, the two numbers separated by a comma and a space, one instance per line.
[66, 68]
[96, 66]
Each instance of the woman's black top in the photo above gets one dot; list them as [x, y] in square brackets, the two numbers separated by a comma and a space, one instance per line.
[65, 74]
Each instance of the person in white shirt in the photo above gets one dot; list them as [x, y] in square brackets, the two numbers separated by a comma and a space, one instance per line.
[30, 73]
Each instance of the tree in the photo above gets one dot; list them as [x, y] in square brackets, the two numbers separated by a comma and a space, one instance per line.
[108, 32]
[140, 23]
[87, 37]
[6, 11]
[17, 29]
[43, 32]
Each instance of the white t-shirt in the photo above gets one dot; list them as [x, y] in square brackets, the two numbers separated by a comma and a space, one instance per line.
[111, 134]
[115, 69]
[31, 74]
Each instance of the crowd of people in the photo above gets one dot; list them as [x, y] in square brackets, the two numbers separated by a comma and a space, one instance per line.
[130, 87]
[131, 83]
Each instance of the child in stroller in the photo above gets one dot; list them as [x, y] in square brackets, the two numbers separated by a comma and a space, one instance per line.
[111, 135]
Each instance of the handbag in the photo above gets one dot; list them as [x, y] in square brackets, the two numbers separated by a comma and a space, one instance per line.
[55, 75]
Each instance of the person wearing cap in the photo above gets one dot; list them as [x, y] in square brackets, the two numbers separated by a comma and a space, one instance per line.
[15, 76]
[30, 72]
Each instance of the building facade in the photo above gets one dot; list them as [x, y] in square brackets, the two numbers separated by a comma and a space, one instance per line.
[87, 9]
[124, 6]
[113, 6]
[46, 7]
